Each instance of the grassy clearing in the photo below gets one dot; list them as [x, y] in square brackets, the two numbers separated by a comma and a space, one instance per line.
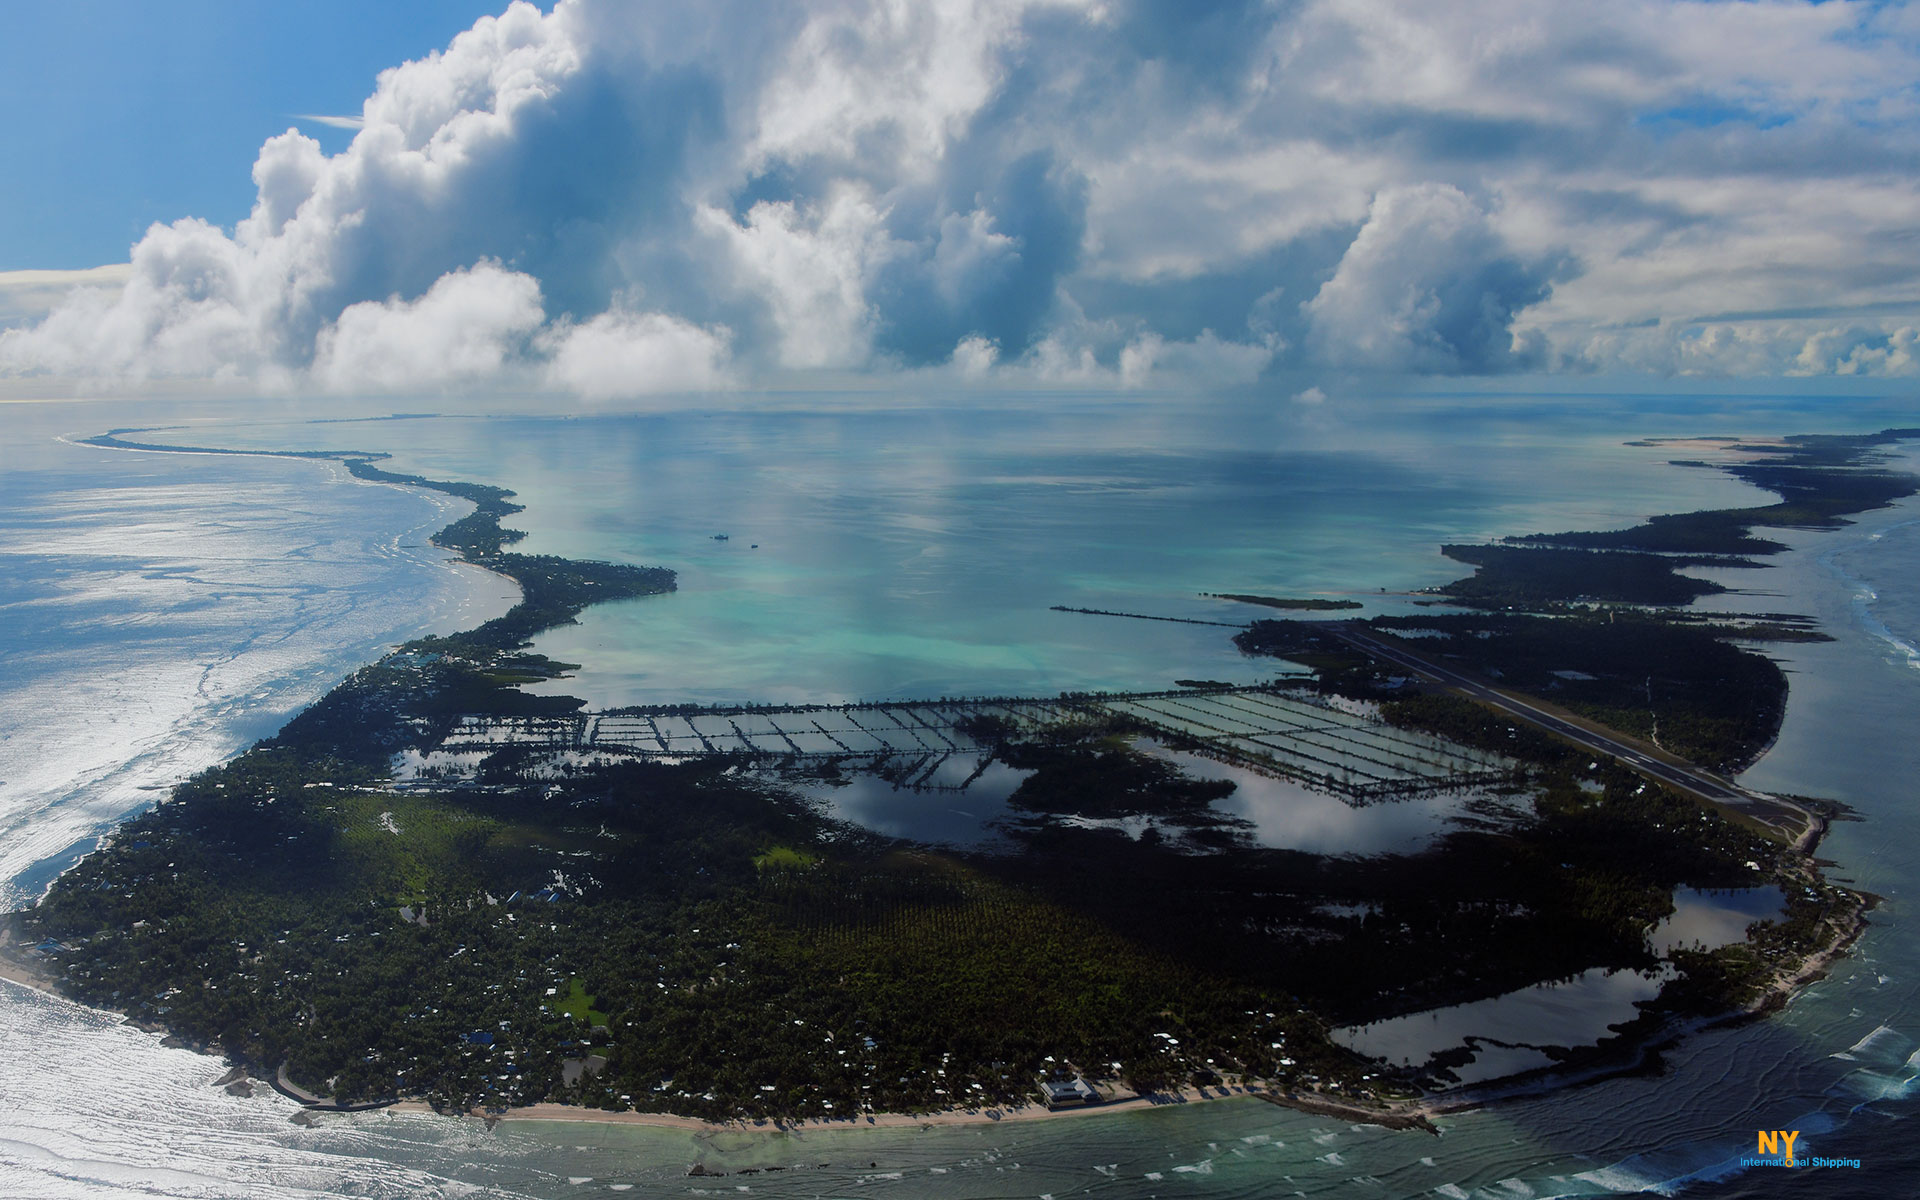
[578, 1005]
[783, 857]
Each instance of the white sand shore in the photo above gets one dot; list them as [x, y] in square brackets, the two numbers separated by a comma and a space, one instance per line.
[1119, 1100]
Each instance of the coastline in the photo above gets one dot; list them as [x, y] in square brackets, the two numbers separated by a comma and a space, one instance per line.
[1411, 1114]
[1396, 1114]
[15, 971]
[1636, 1055]
[549, 1112]
[20, 965]
[1639, 1053]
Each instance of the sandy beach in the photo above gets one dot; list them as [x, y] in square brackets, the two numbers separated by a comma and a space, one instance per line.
[1116, 1099]
[19, 964]
[18, 972]
[1414, 1113]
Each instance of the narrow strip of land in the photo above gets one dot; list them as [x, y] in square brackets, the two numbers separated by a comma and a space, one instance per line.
[1107, 612]
[1777, 813]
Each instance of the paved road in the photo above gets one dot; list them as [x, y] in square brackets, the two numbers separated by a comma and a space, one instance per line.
[1772, 810]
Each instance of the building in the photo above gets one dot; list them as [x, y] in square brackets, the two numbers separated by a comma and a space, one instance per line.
[1070, 1092]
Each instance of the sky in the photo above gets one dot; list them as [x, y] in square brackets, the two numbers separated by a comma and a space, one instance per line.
[612, 199]
[124, 113]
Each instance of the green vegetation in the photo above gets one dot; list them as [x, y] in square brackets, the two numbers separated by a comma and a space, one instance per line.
[1338, 668]
[716, 947]
[1678, 680]
[578, 1005]
[784, 858]
[553, 590]
[1106, 780]
[1821, 480]
[1307, 605]
[381, 945]
[1566, 872]
[730, 940]
[412, 697]
[1511, 577]
[1684, 687]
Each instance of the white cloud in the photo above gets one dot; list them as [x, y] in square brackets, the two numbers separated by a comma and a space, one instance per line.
[894, 79]
[812, 268]
[1137, 358]
[1858, 351]
[1092, 356]
[388, 216]
[465, 328]
[1426, 286]
[1895, 354]
[332, 122]
[974, 356]
[1208, 200]
[184, 310]
[620, 354]
[1206, 360]
[1055, 360]
[31, 295]
[1100, 194]
[289, 168]
[969, 254]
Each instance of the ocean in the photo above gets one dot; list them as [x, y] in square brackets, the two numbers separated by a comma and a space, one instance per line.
[163, 611]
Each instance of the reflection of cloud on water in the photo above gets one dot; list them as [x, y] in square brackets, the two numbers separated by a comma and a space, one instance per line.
[1282, 814]
[922, 814]
[1507, 1033]
[1269, 812]
[1714, 918]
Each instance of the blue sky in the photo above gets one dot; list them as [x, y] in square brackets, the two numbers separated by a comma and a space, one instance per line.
[124, 112]
[613, 199]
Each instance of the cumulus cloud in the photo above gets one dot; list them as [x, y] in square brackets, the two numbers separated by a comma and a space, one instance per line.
[893, 82]
[1860, 352]
[1207, 359]
[812, 267]
[620, 354]
[466, 327]
[1097, 357]
[974, 356]
[1428, 286]
[1111, 193]
[187, 308]
[410, 205]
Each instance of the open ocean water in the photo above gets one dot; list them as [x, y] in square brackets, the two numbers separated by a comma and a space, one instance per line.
[158, 612]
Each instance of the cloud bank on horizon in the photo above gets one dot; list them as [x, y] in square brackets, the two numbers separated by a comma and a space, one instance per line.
[611, 200]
